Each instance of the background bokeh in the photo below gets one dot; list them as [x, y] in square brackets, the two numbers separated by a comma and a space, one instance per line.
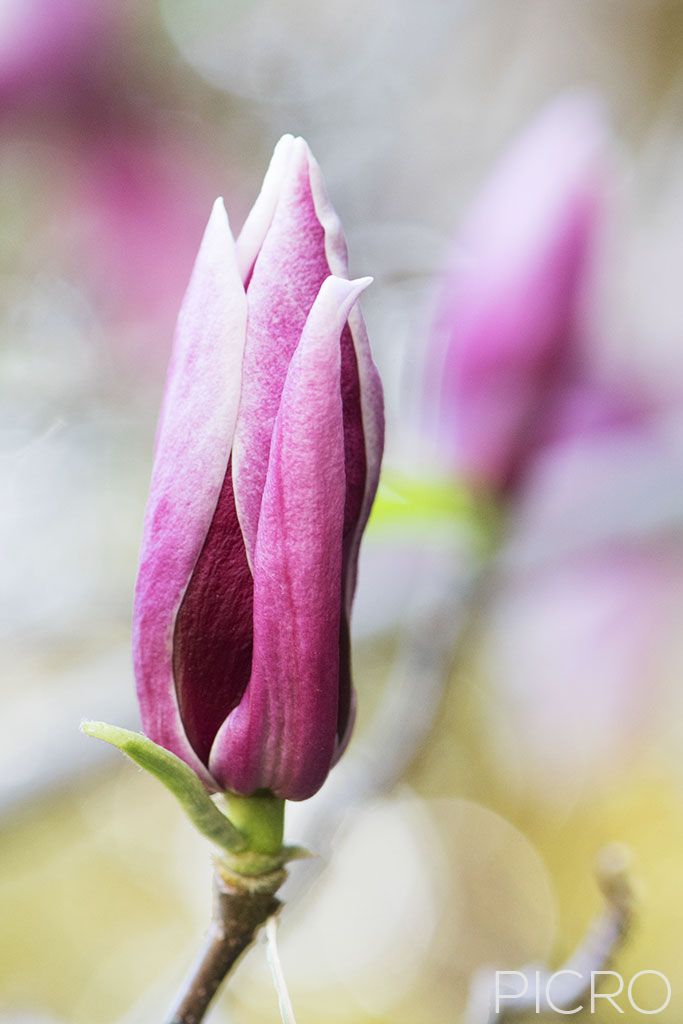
[559, 727]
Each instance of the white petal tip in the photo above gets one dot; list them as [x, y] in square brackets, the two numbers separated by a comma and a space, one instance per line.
[217, 233]
[287, 145]
[363, 282]
[343, 293]
[218, 218]
[354, 289]
[218, 208]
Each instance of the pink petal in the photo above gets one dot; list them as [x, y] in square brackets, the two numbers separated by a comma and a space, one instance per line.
[507, 326]
[51, 49]
[193, 444]
[255, 227]
[361, 385]
[289, 271]
[302, 246]
[303, 243]
[363, 439]
[283, 734]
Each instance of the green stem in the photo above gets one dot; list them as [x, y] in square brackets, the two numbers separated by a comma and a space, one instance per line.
[260, 819]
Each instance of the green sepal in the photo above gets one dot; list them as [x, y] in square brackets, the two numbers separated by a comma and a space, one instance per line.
[290, 853]
[178, 778]
[251, 864]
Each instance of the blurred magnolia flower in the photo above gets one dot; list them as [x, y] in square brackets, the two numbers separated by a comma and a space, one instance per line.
[267, 462]
[48, 48]
[506, 340]
[141, 199]
[526, 412]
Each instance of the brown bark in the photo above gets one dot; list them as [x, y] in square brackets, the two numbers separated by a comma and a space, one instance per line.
[240, 907]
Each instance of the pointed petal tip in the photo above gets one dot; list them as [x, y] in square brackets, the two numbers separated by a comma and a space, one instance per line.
[283, 149]
[217, 229]
[297, 152]
[218, 212]
[343, 291]
[285, 140]
[288, 144]
[363, 283]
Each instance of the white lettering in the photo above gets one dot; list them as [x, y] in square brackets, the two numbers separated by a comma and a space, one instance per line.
[656, 974]
[606, 995]
[551, 1004]
[508, 994]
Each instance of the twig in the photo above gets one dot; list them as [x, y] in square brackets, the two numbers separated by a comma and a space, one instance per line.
[240, 907]
[595, 953]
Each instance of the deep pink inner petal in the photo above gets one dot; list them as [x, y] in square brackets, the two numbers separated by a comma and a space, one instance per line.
[354, 440]
[212, 646]
[356, 472]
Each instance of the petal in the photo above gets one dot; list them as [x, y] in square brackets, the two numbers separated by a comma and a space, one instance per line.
[304, 244]
[193, 445]
[282, 735]
[289, 271]
[255, 227]
[361, 386]
[371, 406]
[506, 330]
[363, 405]
[213, 636]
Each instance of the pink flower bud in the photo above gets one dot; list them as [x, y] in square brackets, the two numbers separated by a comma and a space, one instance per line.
[506, 340]
[267, 461]
[53, 48]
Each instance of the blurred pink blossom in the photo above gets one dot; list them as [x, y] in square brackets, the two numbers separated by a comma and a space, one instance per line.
[527, 411]
[507, 336]
[51, 48]
[141, 198]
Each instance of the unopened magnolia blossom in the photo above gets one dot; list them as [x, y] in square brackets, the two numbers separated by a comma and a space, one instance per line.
[54, 50]
[526, 411]
[267, 462]
[506, 355]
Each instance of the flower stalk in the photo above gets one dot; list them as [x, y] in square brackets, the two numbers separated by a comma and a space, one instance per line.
[259, 818]
[248, 867]
[244, 898]
[240, 907]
